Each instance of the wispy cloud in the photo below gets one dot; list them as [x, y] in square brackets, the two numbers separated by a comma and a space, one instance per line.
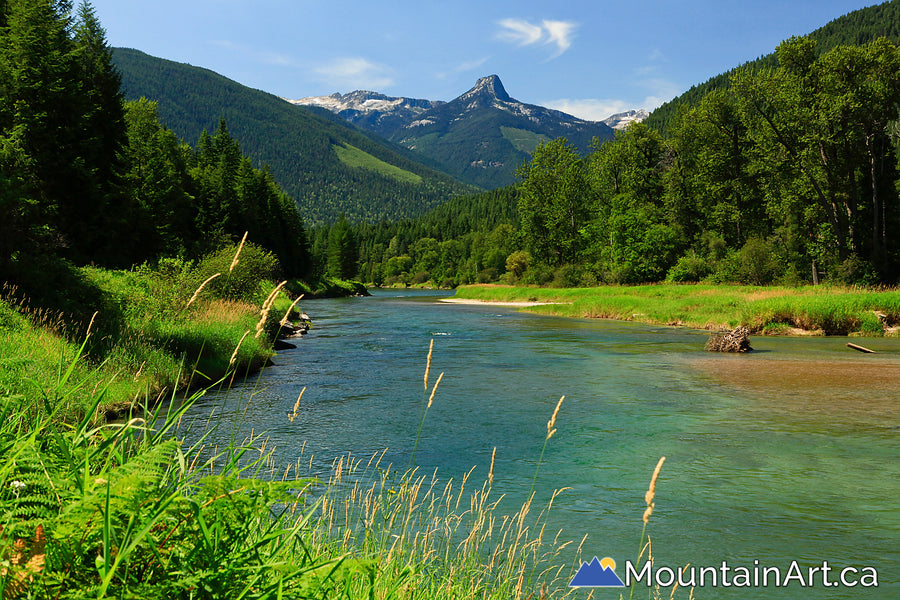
[354, 73]
[598, 109]
[560, 33]
[520, 32]
[590, 109]
[523, 33]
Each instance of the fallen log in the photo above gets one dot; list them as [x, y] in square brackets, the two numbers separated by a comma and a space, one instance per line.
[860, 348]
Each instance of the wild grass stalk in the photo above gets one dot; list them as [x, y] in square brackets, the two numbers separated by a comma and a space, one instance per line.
[551, 429]
[426, 404]
[648, 511]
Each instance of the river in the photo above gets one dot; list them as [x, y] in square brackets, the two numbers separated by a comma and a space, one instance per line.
[789, 453]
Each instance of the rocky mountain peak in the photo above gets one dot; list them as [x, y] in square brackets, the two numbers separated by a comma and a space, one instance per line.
[489, 86]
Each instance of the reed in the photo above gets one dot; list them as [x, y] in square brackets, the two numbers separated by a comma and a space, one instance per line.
[551, 429]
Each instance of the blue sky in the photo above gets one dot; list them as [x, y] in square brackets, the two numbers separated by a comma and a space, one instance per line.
[588, 58]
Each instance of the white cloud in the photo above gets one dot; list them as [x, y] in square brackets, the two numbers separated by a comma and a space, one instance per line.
[520, 32]
[590, 109]
[354, 73]
[560, 33]
[523, 33]
[594, 109]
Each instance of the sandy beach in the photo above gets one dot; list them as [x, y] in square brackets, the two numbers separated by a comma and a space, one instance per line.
[522, 303]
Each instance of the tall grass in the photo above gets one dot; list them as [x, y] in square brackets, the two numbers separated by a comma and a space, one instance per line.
[90, 509]
[821, 309]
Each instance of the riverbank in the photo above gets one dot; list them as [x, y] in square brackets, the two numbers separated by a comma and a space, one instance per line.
[767, 310]
[80, 340]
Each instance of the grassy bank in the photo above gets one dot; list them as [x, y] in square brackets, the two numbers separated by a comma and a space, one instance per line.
[130, 511]
[138, 335]
[774, 310]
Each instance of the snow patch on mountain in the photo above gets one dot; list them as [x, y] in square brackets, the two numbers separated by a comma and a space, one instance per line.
[624, 119]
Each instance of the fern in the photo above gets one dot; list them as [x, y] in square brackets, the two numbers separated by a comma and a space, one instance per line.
[125, 489]
[28, 495]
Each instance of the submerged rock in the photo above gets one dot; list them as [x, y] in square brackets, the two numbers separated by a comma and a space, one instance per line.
[735, 340]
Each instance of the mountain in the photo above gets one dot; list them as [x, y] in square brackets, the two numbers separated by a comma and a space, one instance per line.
[370, 110]
[624, 119]
[481, 137]
[326, 164]
[855, 28]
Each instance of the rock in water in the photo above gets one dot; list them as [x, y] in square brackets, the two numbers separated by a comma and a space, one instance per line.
[735, 340]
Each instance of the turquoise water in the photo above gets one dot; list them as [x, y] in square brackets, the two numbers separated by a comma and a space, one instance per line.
[789, 453]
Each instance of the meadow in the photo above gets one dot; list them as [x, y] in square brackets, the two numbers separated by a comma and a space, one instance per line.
[772, 310]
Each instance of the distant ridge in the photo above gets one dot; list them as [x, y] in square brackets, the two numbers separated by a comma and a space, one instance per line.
[328, 166]
[481, 137]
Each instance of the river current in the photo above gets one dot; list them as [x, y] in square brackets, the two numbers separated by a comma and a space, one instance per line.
[789, 453]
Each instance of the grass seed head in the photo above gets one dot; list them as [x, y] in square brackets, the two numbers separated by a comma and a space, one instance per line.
[200, 289]
[651, 491]
[234, 261]
[428, 363]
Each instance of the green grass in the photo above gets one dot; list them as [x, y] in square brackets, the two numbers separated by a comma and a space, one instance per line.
[522, 139]
[822, 309]
[129, 510]
[355, 158]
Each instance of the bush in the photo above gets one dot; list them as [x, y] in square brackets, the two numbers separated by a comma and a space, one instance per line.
[254, 265]
[567, 276]
[487, 275]
[758, 263]
[517, 263]
[689, 268]
[538, 274]
[855, 271]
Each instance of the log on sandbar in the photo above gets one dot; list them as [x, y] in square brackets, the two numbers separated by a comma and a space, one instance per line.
[860, 348]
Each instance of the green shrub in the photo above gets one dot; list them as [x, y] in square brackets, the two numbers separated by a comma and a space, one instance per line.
[254, 265]
[487, 275]
[759, 264]
[567, 276]
[689, 269]
[855, 271]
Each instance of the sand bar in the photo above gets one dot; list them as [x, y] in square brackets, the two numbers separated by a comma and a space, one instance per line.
[521, 303]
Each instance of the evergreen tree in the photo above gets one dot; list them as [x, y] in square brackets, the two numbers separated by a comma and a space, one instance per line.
[342, 253]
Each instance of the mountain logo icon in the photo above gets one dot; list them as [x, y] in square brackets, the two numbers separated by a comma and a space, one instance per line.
[597, 573]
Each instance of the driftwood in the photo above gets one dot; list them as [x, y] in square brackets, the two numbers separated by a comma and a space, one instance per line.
[860, 348]
[735, 340]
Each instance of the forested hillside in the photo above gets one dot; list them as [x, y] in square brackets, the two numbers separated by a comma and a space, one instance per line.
[856, 28]
[299, 147]
[91, 178]
[790, 175]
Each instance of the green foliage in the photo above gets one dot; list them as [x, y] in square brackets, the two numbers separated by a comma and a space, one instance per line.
[855, 29]
[554, 203]
[253, 266]
[342, 253]
[275, 133]
[354, 157]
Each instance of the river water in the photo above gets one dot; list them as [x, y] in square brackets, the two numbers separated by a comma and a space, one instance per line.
[789, 453]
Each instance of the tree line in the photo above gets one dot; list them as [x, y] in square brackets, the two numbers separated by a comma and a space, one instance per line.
[91, 178]
[790, 175]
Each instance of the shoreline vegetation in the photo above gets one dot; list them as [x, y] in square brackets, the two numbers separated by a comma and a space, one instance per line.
[129, 509]
[765, 310]
[134, 338]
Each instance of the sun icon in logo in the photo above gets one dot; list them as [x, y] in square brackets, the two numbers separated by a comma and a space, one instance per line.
[597, 573]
